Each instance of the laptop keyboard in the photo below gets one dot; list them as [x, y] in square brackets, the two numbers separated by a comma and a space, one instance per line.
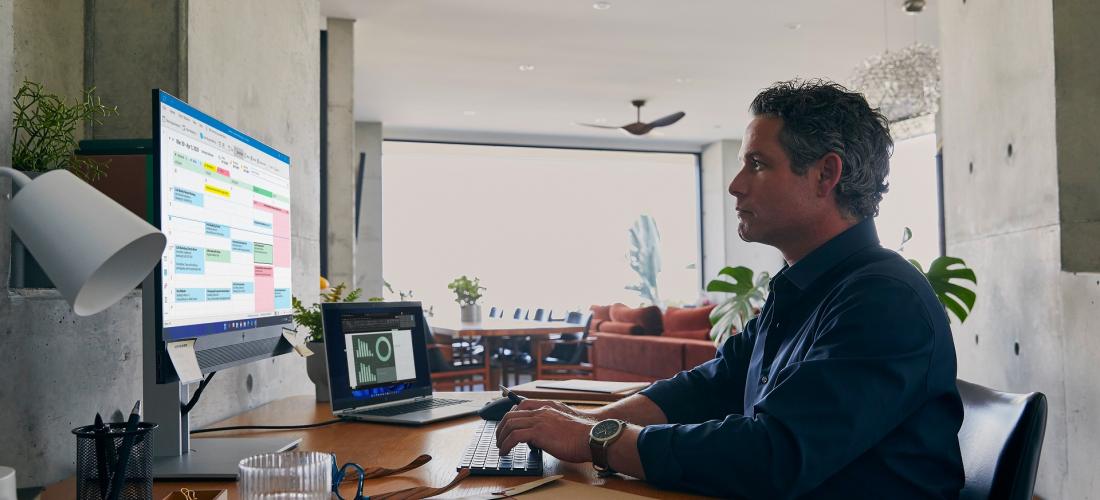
[483, 458]
[426, 404]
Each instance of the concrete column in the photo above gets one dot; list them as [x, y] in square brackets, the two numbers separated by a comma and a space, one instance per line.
[721, 245]
[1020, 189]
[368, 250]
[132, 47]
[342, 155]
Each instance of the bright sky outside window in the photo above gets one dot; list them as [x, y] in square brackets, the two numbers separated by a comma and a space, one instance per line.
[912, 200]
[540, 227]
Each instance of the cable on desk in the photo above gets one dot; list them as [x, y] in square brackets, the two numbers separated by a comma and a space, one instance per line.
[275, 427]
[186, 408]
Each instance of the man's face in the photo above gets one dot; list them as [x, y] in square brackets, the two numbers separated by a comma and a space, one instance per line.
[775, 206]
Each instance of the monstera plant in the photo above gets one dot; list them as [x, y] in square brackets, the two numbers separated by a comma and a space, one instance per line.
[946, 275]
[745, 295]
[645, 257]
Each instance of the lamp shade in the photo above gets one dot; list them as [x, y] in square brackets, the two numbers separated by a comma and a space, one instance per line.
[94, 250]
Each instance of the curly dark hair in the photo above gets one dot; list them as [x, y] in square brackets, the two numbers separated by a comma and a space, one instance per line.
[820, 117]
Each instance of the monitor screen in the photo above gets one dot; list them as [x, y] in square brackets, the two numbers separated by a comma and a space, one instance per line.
[223, 202]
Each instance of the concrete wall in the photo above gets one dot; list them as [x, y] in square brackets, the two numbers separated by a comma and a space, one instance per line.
[62, 369]
[49, 47]
[721, 245]
[263, 77]
[132, 47]
[1024, 74]
[343, 156]
[368, 249]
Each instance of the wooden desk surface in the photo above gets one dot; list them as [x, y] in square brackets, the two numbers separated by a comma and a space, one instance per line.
[498, 327]
[385, 445]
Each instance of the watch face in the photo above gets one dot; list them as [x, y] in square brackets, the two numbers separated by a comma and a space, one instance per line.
[605, 429]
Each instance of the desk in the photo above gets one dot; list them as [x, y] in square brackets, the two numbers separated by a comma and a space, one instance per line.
[385, 445]
[495, 330]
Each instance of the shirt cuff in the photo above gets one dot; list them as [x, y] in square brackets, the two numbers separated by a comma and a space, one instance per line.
[658, 459]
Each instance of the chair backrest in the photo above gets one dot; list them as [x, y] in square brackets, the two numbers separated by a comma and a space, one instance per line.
[575, 317]
[494, 312]
[582, 348]
[537, 314]
[1000, 438]
[519, 314]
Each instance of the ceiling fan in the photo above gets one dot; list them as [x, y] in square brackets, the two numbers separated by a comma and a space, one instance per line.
[638, 127]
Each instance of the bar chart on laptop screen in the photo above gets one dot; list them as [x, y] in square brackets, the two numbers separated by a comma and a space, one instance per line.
[379, 357]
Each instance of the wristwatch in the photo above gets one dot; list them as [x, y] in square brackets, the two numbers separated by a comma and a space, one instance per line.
[599, 439]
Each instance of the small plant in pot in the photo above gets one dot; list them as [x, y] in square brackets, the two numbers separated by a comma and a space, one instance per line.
[467, 293]
[310, 319]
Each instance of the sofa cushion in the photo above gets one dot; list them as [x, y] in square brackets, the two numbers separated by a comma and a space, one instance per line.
[695, 318]
[648, 317]
[697, 352]
[700, 334]
[622, 328]
[649, 356]
[602, 313]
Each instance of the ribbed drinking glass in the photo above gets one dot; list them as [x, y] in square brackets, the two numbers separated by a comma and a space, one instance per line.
[298, 475]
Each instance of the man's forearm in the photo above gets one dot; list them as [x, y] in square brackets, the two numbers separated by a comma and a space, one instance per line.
[636, 409]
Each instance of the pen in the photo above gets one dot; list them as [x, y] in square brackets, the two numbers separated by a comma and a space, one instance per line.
[103, 469]
[124, 452]
[516, 398]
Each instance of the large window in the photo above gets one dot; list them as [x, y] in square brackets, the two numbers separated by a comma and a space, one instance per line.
[913, 200]
[540, 227]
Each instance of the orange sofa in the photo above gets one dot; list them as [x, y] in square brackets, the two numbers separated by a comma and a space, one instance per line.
[643, 344]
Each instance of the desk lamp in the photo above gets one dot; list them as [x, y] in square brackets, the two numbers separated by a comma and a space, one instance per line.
[94, 250]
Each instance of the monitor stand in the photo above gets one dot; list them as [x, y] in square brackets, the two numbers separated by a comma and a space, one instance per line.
[176, 455]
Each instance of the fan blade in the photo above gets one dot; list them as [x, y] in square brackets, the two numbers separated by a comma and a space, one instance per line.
[597, 126]
[638, 128]
[667, 120]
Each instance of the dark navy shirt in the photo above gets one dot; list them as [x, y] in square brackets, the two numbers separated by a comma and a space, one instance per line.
[842, 387]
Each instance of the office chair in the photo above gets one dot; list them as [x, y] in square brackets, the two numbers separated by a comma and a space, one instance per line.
[1001, 437]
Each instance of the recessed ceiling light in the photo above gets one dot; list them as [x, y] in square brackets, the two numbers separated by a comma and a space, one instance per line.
[717, 126]
[601, 5]
[470, 113]
[682, 80]
[793, 26]
[526, 67]
[599, 120]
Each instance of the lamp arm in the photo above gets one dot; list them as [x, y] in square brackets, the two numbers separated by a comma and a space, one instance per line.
[19, 178]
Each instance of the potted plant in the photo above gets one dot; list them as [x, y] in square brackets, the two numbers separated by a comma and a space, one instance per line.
[43, 139]
[310, 319]
[746, 296]
[44, 127]
[467, 293]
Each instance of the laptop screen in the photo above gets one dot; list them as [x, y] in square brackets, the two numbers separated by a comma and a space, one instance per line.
[376, 352]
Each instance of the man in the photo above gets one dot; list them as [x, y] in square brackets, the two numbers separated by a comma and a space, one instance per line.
[843, 386]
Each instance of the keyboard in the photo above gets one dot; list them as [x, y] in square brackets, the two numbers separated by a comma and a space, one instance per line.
[483, 458]
[427, 404]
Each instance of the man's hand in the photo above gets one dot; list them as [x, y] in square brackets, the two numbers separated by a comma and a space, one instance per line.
[551, 426]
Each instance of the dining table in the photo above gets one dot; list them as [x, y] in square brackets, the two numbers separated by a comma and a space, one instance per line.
[496, 332]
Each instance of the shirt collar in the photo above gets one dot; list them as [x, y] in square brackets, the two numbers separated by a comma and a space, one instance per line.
[833, 252]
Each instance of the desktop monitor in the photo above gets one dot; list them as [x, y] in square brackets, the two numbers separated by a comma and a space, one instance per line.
[222, 199]
[223, 202]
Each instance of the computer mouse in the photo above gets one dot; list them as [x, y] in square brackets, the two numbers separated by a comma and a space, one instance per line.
[495, 409]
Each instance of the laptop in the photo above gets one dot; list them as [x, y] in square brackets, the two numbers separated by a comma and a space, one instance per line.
[378, 365]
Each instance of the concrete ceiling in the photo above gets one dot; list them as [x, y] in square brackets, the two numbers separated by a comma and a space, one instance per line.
[450, 69]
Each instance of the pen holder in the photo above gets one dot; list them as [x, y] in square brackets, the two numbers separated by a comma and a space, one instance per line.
[98, 455]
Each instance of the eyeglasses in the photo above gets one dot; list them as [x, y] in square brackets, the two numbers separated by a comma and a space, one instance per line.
[354, 472]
